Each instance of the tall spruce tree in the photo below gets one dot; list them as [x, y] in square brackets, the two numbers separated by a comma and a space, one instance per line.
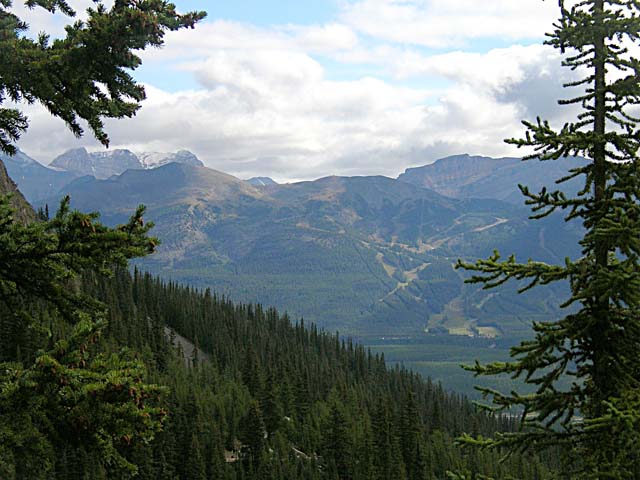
[86, 74]
[596, 420]
[67, 392]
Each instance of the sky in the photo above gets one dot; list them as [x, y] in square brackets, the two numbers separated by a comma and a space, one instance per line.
[299, 90]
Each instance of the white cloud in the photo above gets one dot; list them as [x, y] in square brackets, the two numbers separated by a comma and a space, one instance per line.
[209, 36]
[275, 112]
[495, 69]
[267, 104]
[324, 38]
[442, 23]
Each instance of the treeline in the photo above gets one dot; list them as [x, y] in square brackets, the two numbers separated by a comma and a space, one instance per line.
[271, 399]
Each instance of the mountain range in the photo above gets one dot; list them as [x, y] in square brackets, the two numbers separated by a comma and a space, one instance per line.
[466, 176]
[369, 256]
[105, 164]
[38, 182]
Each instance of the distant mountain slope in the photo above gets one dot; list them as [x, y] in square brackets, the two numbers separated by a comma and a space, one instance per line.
[38, 182]
[35, 180]
[465, 176]
[167, 185]
[366, 255]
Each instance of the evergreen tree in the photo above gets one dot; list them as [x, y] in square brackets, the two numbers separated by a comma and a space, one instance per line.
[194, 461]
[410, 438]
[84, 75]
[271, 408]
[337, 449]
[386, 462]
[252, 435]
[597, 419]
[70, 393]
[251, 372]
[215, 457]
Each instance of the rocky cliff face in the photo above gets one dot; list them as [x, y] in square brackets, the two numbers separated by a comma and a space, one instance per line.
[24, 212]
[449, 175]
[75, 160]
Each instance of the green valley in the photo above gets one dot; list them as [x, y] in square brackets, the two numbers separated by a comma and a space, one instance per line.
[362, 255]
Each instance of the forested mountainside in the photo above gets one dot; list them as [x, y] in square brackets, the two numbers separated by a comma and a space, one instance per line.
[276, 399]
[269, 400]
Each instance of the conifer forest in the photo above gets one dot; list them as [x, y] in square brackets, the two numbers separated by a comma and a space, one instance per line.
[123, 355]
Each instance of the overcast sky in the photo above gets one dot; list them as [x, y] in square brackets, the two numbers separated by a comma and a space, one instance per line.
[298, 90]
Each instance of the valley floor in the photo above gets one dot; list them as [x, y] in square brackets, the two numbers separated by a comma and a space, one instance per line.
[440, 357]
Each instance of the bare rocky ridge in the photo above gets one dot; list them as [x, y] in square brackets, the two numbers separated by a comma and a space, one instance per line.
[157, 159]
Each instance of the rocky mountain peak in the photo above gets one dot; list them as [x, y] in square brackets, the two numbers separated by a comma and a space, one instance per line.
[74, 160]
[261, 181]
[105, 164]
[467, 176]
[157, 159]
[102, 164]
